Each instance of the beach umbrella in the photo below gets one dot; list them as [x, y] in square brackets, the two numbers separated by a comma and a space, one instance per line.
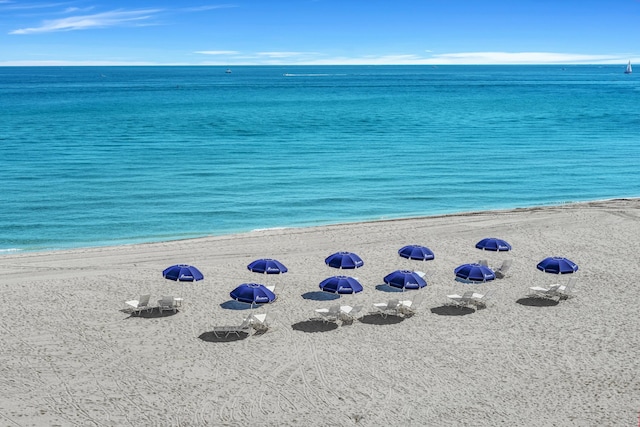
[557, 265]
[344, 260]
[252, 293]
[474, 273]
[417, 252]
[493, 244]
[341, 285]
[267, 266]
[405, 279]
[182, 273]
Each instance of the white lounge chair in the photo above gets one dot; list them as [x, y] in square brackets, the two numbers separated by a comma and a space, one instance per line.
[484, 262]
[410, 306]
[258, 321]
[345, 310]
[166, 303]
[329, 314]
[566, 291]
[461, 300]
[225, 331]
[501, 272]
[348, 313]
[540, 292]
[137, 305]
[480, 300]
[385, 308]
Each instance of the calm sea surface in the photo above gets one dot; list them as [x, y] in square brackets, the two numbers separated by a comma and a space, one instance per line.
[111, 155]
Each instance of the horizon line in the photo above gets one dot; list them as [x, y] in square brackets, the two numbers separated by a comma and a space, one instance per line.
[8, 64]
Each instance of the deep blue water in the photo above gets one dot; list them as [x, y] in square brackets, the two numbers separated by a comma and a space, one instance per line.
[109, 155]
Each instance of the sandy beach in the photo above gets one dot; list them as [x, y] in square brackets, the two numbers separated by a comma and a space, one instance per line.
[72, 355]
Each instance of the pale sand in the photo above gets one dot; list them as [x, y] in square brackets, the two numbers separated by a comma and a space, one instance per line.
[70, 356]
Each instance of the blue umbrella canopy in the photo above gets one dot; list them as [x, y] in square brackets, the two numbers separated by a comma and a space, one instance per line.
[557, 265]
[341, 285]
[421, 253]
[493, 244]
[267, 266]
[183, 273]
[474, 273]
[344, 260]
[252, 293]
[405, 279]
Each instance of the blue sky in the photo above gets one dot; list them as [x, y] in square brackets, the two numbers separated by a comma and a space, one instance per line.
[314, 32]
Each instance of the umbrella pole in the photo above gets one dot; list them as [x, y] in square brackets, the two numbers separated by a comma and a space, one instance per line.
[253, 305]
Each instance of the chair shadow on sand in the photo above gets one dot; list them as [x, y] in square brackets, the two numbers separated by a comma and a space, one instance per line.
[210, 336]
[320, 296]
[377, 319]
[154, 313]
[537, 302]
[450, 310]
[313, 325]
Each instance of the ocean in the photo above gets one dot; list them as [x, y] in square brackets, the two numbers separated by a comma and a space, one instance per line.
[97, 156]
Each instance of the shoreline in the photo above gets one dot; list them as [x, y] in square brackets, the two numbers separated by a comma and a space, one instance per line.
[19, 251]
[74, 356]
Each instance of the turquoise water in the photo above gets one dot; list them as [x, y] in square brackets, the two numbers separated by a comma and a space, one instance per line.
[110, 155]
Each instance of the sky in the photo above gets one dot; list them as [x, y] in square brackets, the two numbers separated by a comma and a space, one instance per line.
[318, 32]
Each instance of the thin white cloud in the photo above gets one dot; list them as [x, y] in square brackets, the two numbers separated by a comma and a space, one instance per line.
[209, 7]
[77, 9]
[470, 58]
[217, 52]
[284, 54]
[230, 57]
[457, 58]
[87, 63]
[12, 5]
[367, 60]
[85, 22]
[517, 58]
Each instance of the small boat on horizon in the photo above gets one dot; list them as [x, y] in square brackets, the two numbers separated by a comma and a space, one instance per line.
[628, 70]
[228, 71]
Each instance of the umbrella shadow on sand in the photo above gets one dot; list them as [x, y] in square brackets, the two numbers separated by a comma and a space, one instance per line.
[211, 337]
[450, 310]
[537, 302]
[314, 326]
[387, 288]
[376, 319]
[320, 296]
[235, 305]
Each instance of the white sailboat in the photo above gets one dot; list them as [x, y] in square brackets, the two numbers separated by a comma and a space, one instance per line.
[628, 70]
